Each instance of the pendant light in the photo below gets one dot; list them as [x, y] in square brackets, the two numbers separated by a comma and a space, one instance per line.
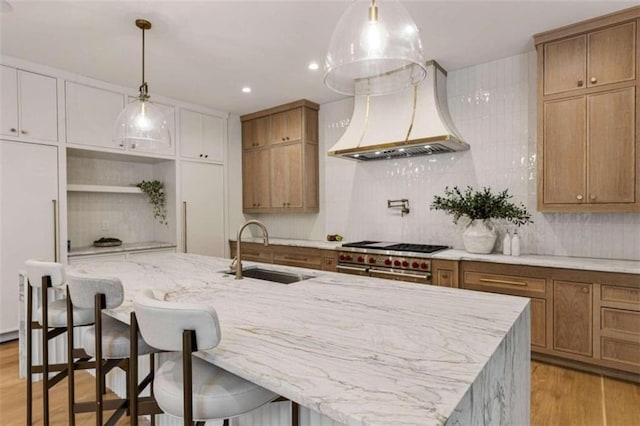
[142, 124]
[374, 50]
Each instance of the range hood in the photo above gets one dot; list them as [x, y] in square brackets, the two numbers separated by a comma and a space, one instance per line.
[415, 121]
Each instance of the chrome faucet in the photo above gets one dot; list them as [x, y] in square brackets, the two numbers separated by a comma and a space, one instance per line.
[237, 261]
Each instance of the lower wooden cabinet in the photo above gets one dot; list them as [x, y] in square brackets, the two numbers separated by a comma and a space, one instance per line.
[302, 257]
[444, 273]
[573, 318]
[584, 319]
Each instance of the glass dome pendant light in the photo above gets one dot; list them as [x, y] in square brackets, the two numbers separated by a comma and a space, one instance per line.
[374, 52]
[142, 125]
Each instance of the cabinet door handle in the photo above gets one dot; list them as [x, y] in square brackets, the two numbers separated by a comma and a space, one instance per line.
[593, 197]
[594, 80]
[184, 224]
[585, 290]
[24, 132]
[200, 155]
[493, 281]
[13, 130]
[580, 83]
[579, 197]
[55, 230]
[206, 156]
[445, 276]
[122, 145]
[251, 253]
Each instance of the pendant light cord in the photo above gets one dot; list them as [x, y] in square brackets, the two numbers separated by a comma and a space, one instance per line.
[144, 89]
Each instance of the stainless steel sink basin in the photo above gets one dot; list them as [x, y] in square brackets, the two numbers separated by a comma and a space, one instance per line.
[271, 275]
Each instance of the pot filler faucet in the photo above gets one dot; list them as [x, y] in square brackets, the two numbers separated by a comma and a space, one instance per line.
[237, 261]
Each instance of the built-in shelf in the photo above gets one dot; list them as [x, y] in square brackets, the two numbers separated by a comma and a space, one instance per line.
[104, 188]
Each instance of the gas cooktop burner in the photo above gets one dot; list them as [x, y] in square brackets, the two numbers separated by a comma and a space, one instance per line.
[416, 248]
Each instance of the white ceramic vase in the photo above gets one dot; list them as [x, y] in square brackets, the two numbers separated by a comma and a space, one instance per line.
[479, 237]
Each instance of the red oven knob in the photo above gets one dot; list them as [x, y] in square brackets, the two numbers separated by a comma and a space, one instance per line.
[396, 263]
[423, 265]
[387, 261]
[415, 264]
[342, 257]
[405, 263]
[347, 257]
[372, 260]
[360, 259]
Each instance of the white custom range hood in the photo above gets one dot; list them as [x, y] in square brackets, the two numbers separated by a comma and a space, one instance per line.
[413, 122]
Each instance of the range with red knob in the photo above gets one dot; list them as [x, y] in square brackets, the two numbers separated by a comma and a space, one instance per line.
[415, 264]
[423, 265]
[372, 260]
[360, 259]
[405, 263]
[396, 263]
[387, 262]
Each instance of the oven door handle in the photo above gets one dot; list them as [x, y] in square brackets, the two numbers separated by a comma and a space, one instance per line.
[353, 270]
[381, 273]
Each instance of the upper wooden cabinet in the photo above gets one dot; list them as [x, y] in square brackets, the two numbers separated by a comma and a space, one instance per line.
[593, 59]
[588, 90]
[29, 105]
[280, 159]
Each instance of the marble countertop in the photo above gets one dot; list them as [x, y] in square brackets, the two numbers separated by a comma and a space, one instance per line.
[566, 262]
[91, 250]
[360, 350]
[582, 263]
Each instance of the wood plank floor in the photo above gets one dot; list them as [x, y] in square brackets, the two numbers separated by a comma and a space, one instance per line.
[559, 396]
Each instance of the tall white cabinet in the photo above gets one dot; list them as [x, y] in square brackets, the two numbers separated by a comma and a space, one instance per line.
[203, 208]
[28, 208]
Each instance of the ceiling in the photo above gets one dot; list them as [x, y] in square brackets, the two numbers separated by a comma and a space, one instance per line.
[205, 51]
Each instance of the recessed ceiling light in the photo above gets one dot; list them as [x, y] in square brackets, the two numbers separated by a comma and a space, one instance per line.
[246, 89]
[313, 66]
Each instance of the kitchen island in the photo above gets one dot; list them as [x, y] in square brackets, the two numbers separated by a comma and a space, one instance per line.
[356, 350]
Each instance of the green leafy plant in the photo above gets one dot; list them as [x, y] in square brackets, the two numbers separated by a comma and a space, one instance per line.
[482, 204]
[154, 189]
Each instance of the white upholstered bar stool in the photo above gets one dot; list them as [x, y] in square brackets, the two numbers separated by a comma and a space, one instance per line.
[52, 321]
[111, 342]
[187, 386]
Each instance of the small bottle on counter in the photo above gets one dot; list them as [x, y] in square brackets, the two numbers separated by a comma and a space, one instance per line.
[515, 244]
[506, 244]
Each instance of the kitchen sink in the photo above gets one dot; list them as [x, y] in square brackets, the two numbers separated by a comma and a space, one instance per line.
[271, 275]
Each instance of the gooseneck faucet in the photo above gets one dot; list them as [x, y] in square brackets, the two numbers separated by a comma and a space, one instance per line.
[237, 262]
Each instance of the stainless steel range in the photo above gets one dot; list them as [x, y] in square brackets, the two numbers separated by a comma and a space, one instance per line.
[395, 261]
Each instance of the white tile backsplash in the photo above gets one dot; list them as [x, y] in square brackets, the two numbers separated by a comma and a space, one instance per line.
[493, 106]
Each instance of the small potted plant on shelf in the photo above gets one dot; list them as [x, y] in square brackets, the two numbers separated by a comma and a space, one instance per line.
[154, 189]
[480, 206]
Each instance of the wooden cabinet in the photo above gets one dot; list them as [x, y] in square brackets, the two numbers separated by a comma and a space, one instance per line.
[303, 257]
[572, 317]
[202, 208]
[280, 159]
[202, 136]
[91, 115]
[588, 143]
[444, 273]
[589, 60]
[29, 104]
[28, 217]
[588, 151]
[515, 280]
[585, 319]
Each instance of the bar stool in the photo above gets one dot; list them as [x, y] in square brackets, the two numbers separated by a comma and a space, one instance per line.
[52, 320]
[111, 342]
[187, 386]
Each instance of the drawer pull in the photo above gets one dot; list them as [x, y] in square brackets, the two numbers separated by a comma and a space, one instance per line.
[580, 83]
[585, 290]
[445, 276]
[301, 259]
[492, 281]
[251, 253]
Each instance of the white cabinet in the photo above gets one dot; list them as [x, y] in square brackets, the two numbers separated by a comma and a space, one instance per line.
[202, 136]
[28, 198]
[203, 208]
[29, 105]
[91, 115]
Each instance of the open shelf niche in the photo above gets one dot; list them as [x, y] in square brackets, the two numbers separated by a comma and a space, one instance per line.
[104, 201]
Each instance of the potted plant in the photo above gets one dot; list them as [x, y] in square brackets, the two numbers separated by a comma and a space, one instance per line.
[154, 190]
[480, 207]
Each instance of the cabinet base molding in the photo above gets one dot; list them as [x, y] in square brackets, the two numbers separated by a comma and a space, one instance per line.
[577, 365]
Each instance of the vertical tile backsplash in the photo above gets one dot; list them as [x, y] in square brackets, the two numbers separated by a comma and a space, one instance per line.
[493, 105]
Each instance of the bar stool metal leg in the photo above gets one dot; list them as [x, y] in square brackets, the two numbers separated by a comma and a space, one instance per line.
[28, 321]
[46, 283]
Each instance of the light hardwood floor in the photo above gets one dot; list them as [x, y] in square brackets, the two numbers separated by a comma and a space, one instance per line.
[559, 396]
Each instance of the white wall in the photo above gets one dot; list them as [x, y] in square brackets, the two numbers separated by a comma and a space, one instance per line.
[494, 107]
